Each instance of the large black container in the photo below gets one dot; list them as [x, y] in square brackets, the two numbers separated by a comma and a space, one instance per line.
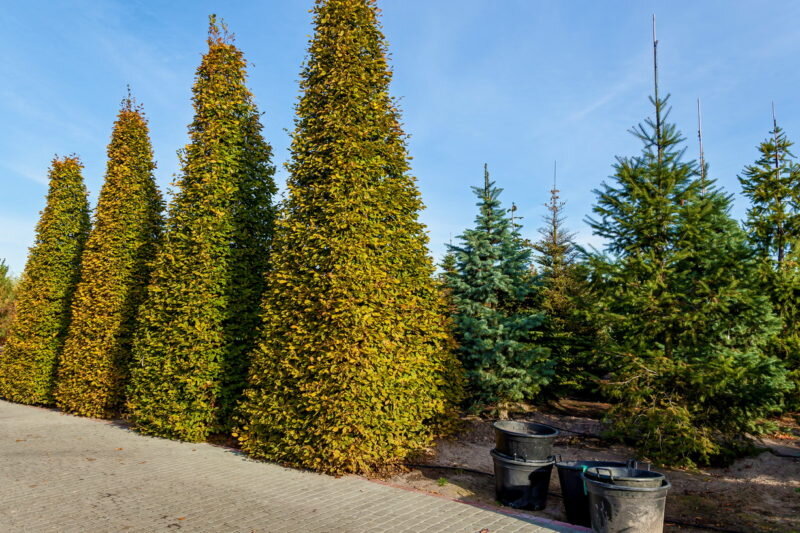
[626, 476]
[521, 484]
[623, 509]
[576, 496]
[524, 441]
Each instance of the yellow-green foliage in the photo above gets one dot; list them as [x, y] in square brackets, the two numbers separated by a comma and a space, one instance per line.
[355, 367]
[7, 291]
[29, 359]
[200, 317]
[114, 273]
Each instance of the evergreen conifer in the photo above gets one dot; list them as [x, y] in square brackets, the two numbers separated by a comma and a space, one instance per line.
[29, 360]
[200, 315]
[495, 330]
[568, 330]
[355, 368]
[686, 329]
[772, 184]
[114, 273]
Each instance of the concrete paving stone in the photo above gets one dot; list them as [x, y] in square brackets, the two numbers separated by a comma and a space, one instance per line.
[63, 473]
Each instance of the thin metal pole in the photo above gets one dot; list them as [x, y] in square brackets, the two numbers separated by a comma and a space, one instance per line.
[700, 141]
[555, 167]
[655, 84]
[775, 135]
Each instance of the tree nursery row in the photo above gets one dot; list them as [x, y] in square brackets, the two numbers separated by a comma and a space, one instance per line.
[317, 330]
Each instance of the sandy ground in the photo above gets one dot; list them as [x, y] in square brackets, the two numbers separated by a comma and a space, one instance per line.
[753, 494]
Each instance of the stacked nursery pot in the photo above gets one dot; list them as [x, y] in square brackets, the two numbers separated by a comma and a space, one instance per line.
[574, 491]
[625, 498]
[523, 461]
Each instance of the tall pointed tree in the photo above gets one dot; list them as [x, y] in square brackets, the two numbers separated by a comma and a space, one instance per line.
[7, 293]
[772, 184]
[29, 360]
[568, 330]
[494, 328]
[114, 273]
[354, 369]
[685, 328]
[200, 315]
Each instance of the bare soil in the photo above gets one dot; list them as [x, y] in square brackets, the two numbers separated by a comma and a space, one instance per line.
[754, 494]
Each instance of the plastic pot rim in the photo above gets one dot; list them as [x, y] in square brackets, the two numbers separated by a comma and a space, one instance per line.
[554, 433]
[633, 479]
[564, 464]
[665, 485]
[551, 460]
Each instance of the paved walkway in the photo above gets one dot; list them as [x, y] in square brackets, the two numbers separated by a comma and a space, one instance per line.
[64, 473]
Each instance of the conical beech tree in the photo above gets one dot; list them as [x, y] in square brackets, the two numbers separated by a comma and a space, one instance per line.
[355, 365]
[114, 273]
[8, 287]
[29, 359]
[198, 321]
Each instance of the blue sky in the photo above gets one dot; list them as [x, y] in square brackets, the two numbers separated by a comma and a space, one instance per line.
[514, 83]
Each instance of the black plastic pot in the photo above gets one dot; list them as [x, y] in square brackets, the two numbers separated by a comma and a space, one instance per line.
[622, 509]
[521, 484]
[625, 476]
[524, 441]
[576, 496]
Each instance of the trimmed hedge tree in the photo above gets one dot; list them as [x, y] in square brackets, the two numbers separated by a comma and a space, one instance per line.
[29, 359]
[8, 286]
[114, 273]
[355, 367]
[200, 317]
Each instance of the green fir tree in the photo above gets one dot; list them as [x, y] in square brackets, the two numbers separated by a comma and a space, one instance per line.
[564, 297]
[355, 369]
[495, 329]
[114, 273]
[686, 330]
[200, 316]
[447, 266]
[29, 360]
[772, 184]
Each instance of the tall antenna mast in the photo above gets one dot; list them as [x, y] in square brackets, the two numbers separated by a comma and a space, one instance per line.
[655, 84]
[700, 141]
[555, 167]
[775, 136]
[781, 229]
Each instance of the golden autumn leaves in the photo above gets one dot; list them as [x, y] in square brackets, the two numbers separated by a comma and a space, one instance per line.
[29, 359]
[115, 269]
[342, 352]
[355, 365]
